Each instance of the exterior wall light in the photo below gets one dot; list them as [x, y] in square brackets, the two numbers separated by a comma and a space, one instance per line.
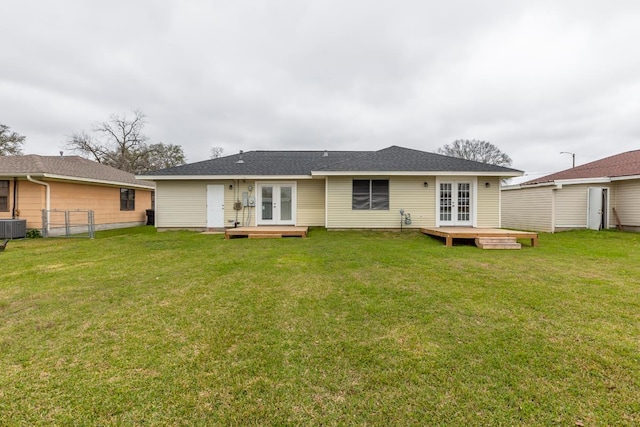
[426, 184]
[487, 184]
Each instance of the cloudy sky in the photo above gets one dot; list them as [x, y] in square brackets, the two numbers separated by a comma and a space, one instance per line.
[533, 78]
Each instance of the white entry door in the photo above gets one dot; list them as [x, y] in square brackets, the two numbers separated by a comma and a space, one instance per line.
[455, 203]
[215, 206]
[596, 213]
[276, 204]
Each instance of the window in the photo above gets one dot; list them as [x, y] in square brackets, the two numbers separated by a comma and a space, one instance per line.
[4, 196]
[127, 199]
[370, 194]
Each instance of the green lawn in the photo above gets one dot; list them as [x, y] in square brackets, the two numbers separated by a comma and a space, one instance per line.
[342, 328]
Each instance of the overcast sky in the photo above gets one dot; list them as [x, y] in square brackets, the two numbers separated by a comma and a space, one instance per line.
[533, 78]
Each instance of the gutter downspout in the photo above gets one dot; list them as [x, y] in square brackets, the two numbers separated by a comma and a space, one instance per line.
[47, 197]
[15, 197]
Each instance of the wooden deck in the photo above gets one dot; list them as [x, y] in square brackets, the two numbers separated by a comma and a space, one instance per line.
[266, 232]
[450, 233]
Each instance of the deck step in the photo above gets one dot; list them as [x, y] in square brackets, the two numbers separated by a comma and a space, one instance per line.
[497, 243]
[265, 236]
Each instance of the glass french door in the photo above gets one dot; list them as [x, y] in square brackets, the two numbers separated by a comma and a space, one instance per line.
[276, 204]
[455, 204]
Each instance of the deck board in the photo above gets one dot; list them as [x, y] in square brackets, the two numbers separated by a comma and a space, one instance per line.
[450, 233]
[280, 231]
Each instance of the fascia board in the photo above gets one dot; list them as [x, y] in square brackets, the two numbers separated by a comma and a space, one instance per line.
[41, 175]
[96, 181]
[541, 184]
[219, 177]
[601, 180]
[413, 173]
[625, 178]
[510, 187]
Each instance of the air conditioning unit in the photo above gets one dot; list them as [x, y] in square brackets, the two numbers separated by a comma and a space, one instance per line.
[13, 228]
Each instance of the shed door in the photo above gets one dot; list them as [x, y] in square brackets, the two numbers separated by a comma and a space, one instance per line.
[215, 206]
[597, 208]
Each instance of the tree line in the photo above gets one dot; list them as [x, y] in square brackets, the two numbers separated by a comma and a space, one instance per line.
[119, 142]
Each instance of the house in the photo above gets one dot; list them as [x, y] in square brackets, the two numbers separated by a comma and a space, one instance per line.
[596, 195]
[30, 184]
[332, 189]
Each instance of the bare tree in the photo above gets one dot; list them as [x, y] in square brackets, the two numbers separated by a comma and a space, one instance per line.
[479, 151]
[162, 156]
[10, 142]
[84, 144]
[119, 142]
[216, 152]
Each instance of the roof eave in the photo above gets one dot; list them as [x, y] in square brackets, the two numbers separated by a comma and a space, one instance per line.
[625, 178]
[77, 179]
[599, 180]
[218, 177]
[577, 181]
[416, 173]
[96, 181]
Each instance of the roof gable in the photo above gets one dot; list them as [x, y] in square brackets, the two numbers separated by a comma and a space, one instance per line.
[624, 164]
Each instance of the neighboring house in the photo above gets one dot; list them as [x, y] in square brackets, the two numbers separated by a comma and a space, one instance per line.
[333, 189]
[30, 184]
[587, 196]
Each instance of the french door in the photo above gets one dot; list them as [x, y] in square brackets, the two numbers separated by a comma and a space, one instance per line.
[276, 204]
[455, 203]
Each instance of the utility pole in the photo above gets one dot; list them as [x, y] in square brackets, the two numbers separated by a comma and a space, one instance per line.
[573, 156]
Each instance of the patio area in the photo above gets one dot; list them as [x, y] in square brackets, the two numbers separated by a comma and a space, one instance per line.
[450, 233]
[266, 232]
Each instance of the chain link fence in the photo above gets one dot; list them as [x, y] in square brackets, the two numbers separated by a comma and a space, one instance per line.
[68, 223]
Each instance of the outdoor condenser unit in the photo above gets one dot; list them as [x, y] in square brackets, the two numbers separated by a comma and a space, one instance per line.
[13, 228]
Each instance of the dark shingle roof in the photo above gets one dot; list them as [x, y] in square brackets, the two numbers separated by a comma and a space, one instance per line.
[624, 164]
[396, 158]
[262, 163]
[68, 167]
[304, 162]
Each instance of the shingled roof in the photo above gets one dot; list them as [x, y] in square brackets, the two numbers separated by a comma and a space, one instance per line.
[73, 168]
[262, 163]
[301, 163]
[402, 159]
[624, 164]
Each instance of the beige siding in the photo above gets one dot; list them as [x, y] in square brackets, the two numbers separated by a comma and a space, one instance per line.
[528, 209]
[233, 189]
[181, 204]
[488, 203]
[571, 206]
[406, 193]
[31, 201]
[310, 206]
[627, 202]
[103, 200]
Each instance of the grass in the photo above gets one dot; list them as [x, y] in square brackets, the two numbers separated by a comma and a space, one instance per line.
[343, 328]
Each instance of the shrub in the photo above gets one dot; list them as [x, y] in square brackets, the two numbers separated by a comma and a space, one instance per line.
[33, 233]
